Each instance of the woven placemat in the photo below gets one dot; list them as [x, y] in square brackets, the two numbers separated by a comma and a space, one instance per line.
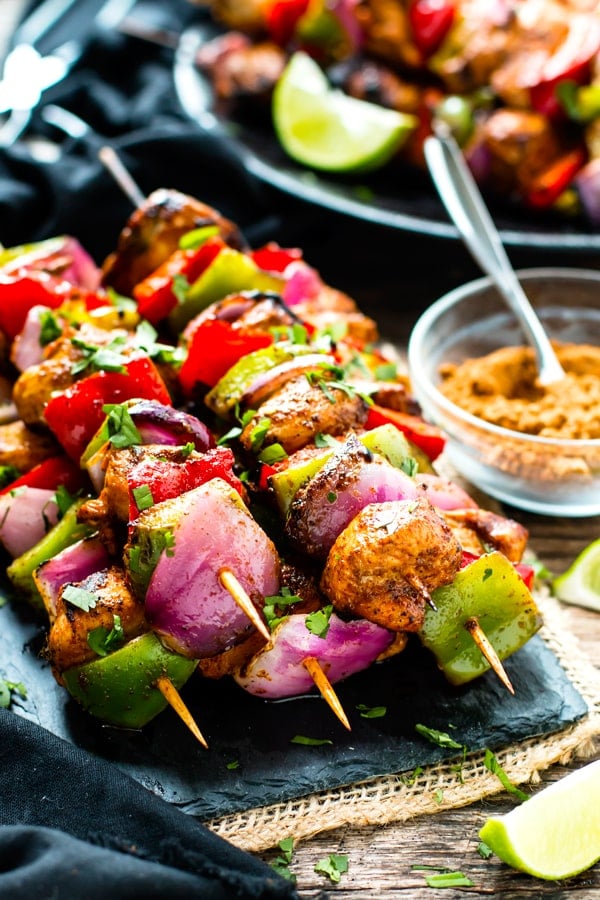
[394, 798]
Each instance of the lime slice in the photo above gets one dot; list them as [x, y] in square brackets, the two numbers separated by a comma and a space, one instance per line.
[325, 129]
[580, 584]
[556, 833]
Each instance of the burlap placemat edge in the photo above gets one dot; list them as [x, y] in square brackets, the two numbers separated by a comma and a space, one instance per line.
[396, 797]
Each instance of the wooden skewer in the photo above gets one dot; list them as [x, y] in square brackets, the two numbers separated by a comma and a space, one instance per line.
[482, 641]
[109, 158]
[173, 698]
[233, 586]
[313, 667]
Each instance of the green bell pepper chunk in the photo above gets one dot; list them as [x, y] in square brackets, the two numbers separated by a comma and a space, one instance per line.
[66, 532]
[491, 591]
[229, 272]
[384, 440]
[120, 688]
[227, 392]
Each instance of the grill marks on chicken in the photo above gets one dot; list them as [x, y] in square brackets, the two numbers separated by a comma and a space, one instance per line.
[153, 232]
[67, 641]
[505, 535]
[300, 410]
[385, 564]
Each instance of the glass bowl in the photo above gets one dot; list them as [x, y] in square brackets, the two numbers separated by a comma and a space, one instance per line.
[545, 475]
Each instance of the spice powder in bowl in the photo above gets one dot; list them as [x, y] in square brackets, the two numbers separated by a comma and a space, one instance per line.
[503, 389]
[535, 447]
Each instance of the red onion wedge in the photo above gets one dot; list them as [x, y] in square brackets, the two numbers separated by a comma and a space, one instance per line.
[160, 424]
[277, 671]
[201, 533]
[70, 566]
[26, 514]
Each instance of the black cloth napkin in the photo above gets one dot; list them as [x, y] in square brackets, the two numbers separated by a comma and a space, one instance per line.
[71, 825]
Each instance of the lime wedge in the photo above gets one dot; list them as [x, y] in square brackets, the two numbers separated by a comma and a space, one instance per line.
[556, 833]
[580, 584]
[325, 129]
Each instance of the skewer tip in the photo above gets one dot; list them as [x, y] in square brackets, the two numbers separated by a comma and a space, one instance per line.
[325, 688]
[232, 585]
[481, 639]
[173, 698]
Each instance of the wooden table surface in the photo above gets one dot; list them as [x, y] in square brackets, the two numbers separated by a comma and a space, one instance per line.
[394, 276]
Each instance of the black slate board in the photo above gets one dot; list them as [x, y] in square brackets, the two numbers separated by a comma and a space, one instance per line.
[256, 734]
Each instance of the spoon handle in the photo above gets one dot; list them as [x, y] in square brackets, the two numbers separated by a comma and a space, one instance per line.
[464, 203]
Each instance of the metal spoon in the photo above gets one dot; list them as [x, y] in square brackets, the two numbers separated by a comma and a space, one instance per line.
[464, 203]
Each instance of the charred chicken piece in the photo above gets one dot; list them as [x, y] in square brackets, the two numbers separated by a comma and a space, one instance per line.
[505, 535]
[67, 641]
[153, 232]
[385, 564]
[302, 409]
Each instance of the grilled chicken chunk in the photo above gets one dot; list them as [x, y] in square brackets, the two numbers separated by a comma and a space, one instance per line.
[35, 386]
[153, 233]
[22, 448]
[300, 410]
[505, 535]
[67, 641]
[245, 71]
[385, 564]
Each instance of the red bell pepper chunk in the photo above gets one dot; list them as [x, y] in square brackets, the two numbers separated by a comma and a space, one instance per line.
[265, 473]
[167, 479]
[546, 189]
[282, 17]
[430, 21]
[50, 474]
[20, 292]
[214, 347]
[155, 296]
[75, 415]
[273, 258]
[429, 438]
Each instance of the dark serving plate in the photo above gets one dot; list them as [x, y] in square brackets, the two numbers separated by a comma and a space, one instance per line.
[397, 197]
[251, 760]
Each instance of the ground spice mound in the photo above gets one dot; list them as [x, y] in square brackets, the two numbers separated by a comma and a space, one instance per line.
[502, 388]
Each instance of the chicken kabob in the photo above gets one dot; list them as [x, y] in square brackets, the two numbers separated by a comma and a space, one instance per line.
[59, 392]
[212, 342]
[67, 429]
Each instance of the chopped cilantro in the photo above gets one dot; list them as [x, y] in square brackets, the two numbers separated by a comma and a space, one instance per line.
[259, 433]
[272, 454]
[371, 712]
[325, 440]
[229, 435]
[277, 602]
[187, 449]
[281, 863]
[145, 339]
[409, 466]
[50, 328]
[334, 866]
[331, 496]
[79, 597]
[103, 640]
[309, 742]
[318, 622]
[441, 738]
[193, 239]
[487, 574]
[142, 496]
[484, 851]
[122, 430]
[439, 796]
[409, 780]
[493, 766]
[234, 764]
[108, 358]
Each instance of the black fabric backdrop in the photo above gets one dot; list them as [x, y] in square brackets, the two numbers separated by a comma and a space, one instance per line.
[72, 826]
